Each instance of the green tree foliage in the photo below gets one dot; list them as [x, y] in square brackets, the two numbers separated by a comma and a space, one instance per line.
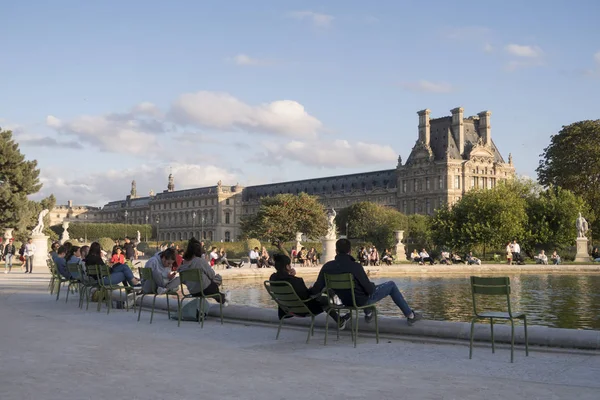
[106, 244]
[281, 216]
[95, 231]
[372, 223]
[572, 161]
[18, 179]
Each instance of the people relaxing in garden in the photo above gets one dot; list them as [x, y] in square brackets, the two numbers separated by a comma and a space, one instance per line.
[192, 259]
[164, 277]
[285, 273]
[118, 257]
[118, 272]
[471, 259]
[555, 258]
[365, 291]
[387, 257]
[425, 257]
[415, 257]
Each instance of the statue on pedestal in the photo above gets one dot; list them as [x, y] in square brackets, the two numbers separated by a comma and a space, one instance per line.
[582, 226]
[65, 234]
[139, 237]
[582, 254]
[39, 228]
[331, 229]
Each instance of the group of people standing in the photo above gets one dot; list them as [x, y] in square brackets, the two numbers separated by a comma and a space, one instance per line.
[26, 253]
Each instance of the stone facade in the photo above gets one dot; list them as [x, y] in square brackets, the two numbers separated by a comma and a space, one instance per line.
[452, 155]
[70, 212]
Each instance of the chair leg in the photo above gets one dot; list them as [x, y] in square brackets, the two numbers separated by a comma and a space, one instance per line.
[376, 325]
[526, 339]
[201, 312]
[512, 340]
[141, 303]
[221, 311]
[58, 285]
[471, 338]
[311, 330]
[67, 296]
[327, 325]
[168, 307]
[279, 329]
[153, 303]
[492, 328]
[356, 330]
[179, 311]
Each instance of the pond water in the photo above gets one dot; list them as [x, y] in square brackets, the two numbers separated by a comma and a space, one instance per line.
[554, 300]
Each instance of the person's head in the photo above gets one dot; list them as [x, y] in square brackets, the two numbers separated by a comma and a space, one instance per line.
[514, 240]
[117, 242]
[423, 250]
[95, 250]
[180, 252]
[282, 263]
[118, 250]
[11, 240]
[167, 258]
[55, 246]
[30, 240]
[84, 250]
[68, 246]
[74, 251]
[542, 252]
[256, 249]
[470, 253]
[213, 249]
[343, 246]
[61, 252]
[554, 253]
[222, 250]
[127, 240]
[194, 249]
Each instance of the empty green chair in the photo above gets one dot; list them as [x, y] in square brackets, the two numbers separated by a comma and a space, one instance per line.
[146, 275]
[195, 275]
[335, 282]
[495, 287]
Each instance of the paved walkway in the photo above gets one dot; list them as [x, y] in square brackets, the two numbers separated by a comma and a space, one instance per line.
[52, 350]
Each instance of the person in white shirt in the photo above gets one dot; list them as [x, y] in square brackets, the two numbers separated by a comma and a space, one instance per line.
[254, 255]
[541, 258]
[516, 252]
[425, 257]
[29, 253]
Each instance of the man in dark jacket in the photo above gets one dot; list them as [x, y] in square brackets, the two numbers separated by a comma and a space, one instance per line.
[365, 291]
[9, 253]
[129, 249]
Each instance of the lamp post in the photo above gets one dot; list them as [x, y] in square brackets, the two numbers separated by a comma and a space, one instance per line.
[146, 228]
[202, 228]
[157, 230]
[85, 228]
[126, 214]
[194, 215]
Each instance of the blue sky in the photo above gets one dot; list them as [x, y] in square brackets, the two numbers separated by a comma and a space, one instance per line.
[104, 92]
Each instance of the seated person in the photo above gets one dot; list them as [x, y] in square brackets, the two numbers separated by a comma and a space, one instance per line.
[445, 258]
[311, 257]
[541, 258]
[387, 257]
[595, 254]
[164, 277]
[471, 259]
[118, 257]
[61, 263]
[456, 258]
[192, 259]
[302, 256]
[118, 272]
[214, 257]
[74, 255]
[265, 260]
[286, 273]
[425, 257]
[374, 257]
[555, 258]
[365, 291]
[253, 255]
[414, 257]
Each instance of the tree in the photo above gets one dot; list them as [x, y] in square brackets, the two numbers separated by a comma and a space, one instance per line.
[281, 216]
[572, 161]
[18, 179]
[372, 222]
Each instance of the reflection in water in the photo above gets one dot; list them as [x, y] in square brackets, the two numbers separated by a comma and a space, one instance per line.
[555, 300]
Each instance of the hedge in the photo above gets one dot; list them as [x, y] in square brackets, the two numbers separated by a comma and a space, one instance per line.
[96, 231]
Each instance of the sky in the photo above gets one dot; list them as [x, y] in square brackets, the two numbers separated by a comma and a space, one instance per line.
[252, 92]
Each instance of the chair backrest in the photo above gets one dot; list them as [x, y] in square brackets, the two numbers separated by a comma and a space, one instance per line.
[146, 275]
[73, 269]
[286, 297]
[341, 282]
[191, 275]
[490, 286]
[92, 271]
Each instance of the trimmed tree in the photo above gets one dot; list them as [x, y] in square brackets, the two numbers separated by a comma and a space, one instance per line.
[281, 216]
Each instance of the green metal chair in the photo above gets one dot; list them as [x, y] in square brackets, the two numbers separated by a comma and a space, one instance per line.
[195, 275]
[56, 280]
[108, 288]
[146, 275]
[287, 299]
[495, 287]
[74, 280]
[89, 275]
[335, 282]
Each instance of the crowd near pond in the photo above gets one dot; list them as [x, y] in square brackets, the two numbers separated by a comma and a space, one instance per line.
[554, 300]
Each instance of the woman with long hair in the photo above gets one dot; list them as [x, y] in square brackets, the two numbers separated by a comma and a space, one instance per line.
[118, 272]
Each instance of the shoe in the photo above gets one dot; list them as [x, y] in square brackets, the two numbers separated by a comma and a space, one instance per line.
[369, 316]
[161, 290]
[417, 317]
[227, 299]
[343, 321]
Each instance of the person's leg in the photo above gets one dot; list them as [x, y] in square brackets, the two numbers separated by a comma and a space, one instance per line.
[389, 288]
[30, 263]
[214, 289]
[123, 270]
[173, 284]
[10, 261]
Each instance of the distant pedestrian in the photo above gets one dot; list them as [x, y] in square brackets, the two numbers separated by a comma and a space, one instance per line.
[28, 254]
[9, 253]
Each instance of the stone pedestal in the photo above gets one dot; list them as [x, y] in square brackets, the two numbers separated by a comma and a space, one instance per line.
[399, 248]
[8, 234]
[41, 250]
[328, 253]
[582, 250]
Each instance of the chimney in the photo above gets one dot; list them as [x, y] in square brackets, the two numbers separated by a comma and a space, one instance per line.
[70, 203]
[458, 128]
[485, 130]
[424, 127]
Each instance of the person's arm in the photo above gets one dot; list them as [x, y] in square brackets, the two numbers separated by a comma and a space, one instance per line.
[363, 280]
[319, 284]
[206, 269]
[300, 288]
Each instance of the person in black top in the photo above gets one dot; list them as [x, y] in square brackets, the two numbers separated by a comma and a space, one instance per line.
[118, 272]
[8, 254]
[365, 291]
[285, 273]
[129, 249]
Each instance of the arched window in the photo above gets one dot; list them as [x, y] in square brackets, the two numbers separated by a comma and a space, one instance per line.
[227, 236]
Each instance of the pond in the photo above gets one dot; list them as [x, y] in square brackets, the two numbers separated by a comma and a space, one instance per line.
[554, 300]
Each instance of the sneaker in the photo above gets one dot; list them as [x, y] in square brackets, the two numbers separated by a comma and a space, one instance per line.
[417, 317]
[161, 290]
[368, 316]
[227, 299]
[343, 321]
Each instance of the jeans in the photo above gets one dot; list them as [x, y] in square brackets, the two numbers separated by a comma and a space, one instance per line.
[120, 273]
[8, 262]
[29, 264]
[389, 288]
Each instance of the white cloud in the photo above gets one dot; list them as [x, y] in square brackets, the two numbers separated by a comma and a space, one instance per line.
[317, 19]
[518, 50]
[428, 87]
[224, 112]
[97, 189]
[488, 48]
[245, 60]
[332, 154]
[135, 132]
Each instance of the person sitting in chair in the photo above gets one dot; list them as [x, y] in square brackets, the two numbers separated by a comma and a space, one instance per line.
[285, 273]
[387, 257]
[541, 258]
[414, 257]
[471, 259]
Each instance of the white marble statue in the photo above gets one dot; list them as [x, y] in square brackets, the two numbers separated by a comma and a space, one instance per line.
[582, 226]
[331, 231]
[65, 234]
[39, 228]
[139, 237]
